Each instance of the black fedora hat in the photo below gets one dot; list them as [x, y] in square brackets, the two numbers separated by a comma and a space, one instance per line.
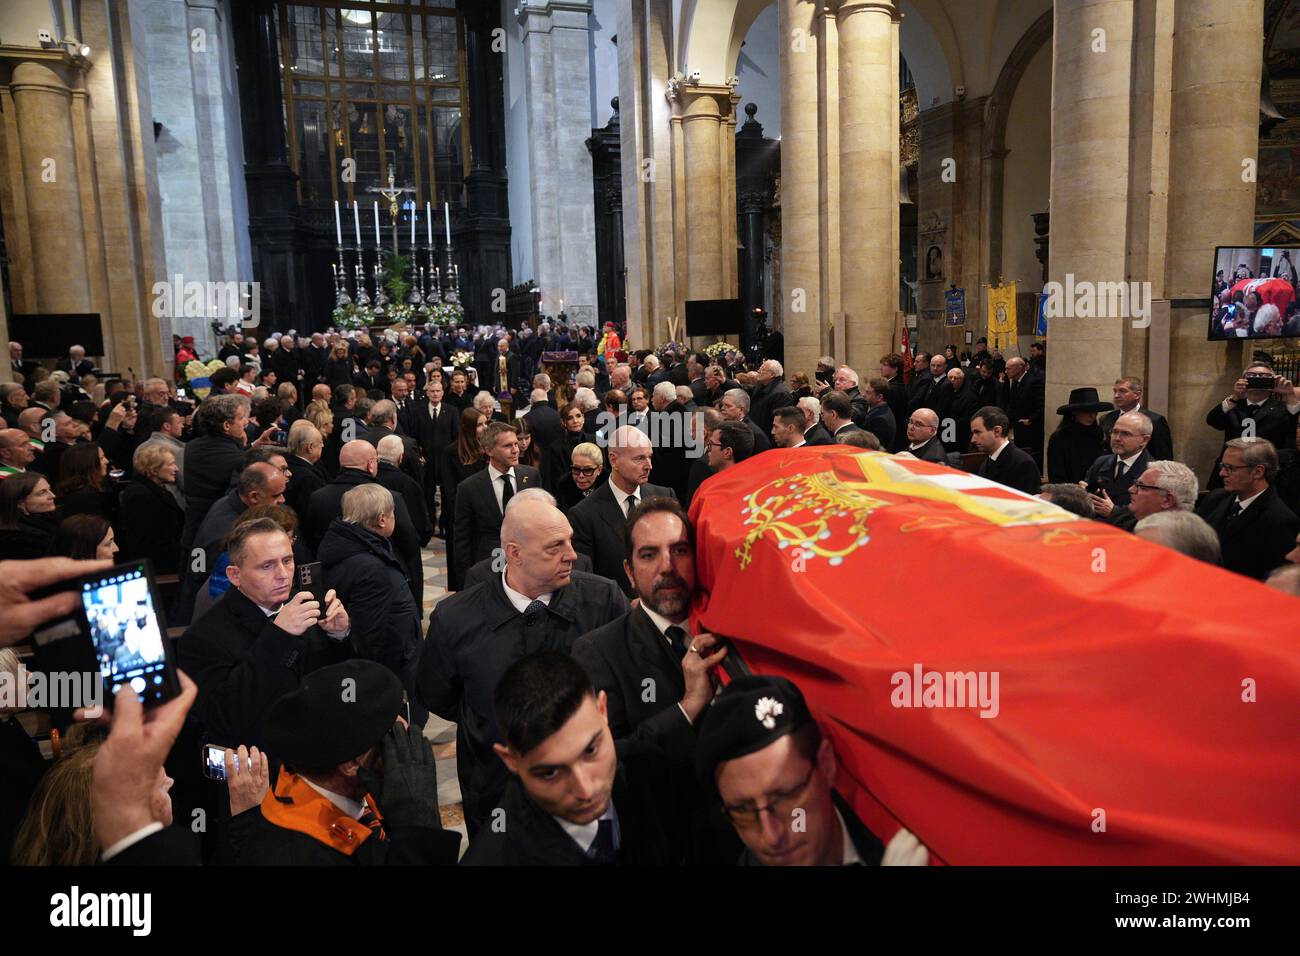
[1084, 400]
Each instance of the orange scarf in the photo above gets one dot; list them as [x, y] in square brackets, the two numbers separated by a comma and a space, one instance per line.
[296, 805]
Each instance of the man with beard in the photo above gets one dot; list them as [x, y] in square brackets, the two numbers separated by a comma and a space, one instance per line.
[653, 642]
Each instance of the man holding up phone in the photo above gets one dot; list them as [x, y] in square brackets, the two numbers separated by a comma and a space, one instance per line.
[261, 639]
[1262, 405]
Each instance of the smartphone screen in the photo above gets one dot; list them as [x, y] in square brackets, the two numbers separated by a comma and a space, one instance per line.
[214, 762]
[126, 633]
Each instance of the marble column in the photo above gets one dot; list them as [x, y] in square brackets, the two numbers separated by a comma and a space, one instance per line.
[801, 256]
[868, 239]
[1214, 126]
[556, 37]
[43, 107]
[702, 125]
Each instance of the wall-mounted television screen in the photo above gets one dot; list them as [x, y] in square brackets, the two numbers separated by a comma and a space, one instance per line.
[1253, 293]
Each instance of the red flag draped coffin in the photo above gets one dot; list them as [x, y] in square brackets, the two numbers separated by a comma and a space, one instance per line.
[1112, 702]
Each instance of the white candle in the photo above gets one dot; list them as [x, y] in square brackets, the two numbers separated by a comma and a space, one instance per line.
[338, 224]
[428, 222]
[446, 218]
[356, 221]
[414, 213]
[334, 268]
[376, 222]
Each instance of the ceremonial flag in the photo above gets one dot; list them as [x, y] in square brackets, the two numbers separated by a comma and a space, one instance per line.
[1002, 316]
[1012, 683]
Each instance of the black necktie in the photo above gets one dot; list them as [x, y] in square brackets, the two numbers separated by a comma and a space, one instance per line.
[507, 492]
[1235, 510]
[602, 851]
[1120, 468]
[534, 611]
[677, 639]
[631, 503]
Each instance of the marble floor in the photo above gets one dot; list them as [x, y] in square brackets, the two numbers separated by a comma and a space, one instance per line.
[442, 733]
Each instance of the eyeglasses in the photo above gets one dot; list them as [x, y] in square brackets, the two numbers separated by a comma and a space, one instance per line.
[781, 805]
[919, 424]
[1231, 468]
[584, 472]
[1139, 485]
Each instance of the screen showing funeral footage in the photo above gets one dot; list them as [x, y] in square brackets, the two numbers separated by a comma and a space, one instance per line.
[1254, 293]
[124, 627]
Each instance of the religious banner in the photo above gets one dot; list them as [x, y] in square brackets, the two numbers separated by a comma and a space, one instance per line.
[1040, 326]
[1043, 736]
[1002, 316]
[954, 312]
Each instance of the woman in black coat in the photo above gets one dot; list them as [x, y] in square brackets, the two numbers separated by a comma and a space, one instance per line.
[150, 519]
[460, 459]
[584, 476]
[27, 517]
[1078, 440]
[557, 461]
[360, 564]
[339, 367]
[84, 487]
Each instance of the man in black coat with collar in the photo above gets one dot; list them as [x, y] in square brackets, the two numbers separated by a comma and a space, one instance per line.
[1256, 410]
[481, 498]
[543, 420]
[599, 518]
[383, 422]
[359, 464]
[260, 639]
[1128, 398]
[770, 394]
[305, 447]
[436, 424]
[1006, 464]
[1023, 402]
[923, 437]
[891, 370]
[627, 810]
[935, 393]
[671, 425]
[1110, 478]
[397, 481]
[537, 603]
[879, 419]
[836, 412]
[1256, 530]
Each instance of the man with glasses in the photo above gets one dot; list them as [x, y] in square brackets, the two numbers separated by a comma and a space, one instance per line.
[762, 752]
[1110, 477]
[1256, 529]
[1164, 486]
[923, 436]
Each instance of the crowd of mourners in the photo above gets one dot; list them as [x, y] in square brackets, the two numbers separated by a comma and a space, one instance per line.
[590, 727]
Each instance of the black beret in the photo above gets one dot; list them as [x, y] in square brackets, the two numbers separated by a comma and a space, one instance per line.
[327, 721]
[750, 713]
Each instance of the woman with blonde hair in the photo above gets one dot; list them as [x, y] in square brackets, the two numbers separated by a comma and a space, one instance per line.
[151, 518]
[583, 477]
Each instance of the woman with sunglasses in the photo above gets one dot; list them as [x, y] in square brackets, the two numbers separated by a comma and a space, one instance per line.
[584, 477]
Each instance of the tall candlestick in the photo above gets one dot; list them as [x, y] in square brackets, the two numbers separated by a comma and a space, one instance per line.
[376, 223]
[446, 218]
[428, 222]
[356, 221]
[338, 225]
[414, 213]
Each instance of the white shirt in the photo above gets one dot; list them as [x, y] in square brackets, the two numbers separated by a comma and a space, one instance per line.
[1245, 503]
[621, 496]
[521, 601]
[993, 456]
[433, 409]
[584, 834]
[498, 486]
[1128, 462]
[353, 808]
[800, 445]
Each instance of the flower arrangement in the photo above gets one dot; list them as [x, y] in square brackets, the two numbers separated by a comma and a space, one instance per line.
[663, 350]
[352, 317]
[198, 376]
[400, 312]
[717, 350]
[447, 313]
[462, 360]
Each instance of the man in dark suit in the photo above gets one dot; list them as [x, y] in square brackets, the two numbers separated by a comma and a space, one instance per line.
[75, 364]
[770, 394]
[1109, 479]
[19, 366]
[391, 476]
[481, 498]
[880, 417]
[696, 365]
[437, 425]
[1023, 403]
[305, 446]
[383, 422]
[935, 393]
[1006, 464]
[573, 797]
[598, 519]
[1256, 530]
[836, 414]
[1128, 398]
[1256, 409]
[891, 370]
[654, 640]
[846, 381]
[405, 407]
[543, 420]
[735, 406]
[923, 437]
[314, 359]
[359, 464]
[373, 378]
[537, 603]
[670, 425]
[260, 639]
[814, 432]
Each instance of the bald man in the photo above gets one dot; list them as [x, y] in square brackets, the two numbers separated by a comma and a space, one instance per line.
[16, 452]
[359, 464]
[923, 436]
[598, 519]
[536, 602]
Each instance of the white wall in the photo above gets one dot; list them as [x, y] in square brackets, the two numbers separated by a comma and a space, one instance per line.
[604, 60]
[759, 70]
[517, 166]
[920, 48]
[1027, 173]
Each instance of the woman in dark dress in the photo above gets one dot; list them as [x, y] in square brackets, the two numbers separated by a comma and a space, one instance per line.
[583, 477]
[559, 457]
[461, 459]
[150, 518]
[27, 517]
[85, 538]
[1078, 440]
[84, 487]
[530, 452]
[339, 368]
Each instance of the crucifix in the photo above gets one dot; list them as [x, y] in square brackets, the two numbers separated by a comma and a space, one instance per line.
[392, 193]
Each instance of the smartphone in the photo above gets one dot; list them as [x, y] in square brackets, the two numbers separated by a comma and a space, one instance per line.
[214, 761]
[312, 578]
[180, 393]
[1263, 383]
[279, 436]
[117, 630]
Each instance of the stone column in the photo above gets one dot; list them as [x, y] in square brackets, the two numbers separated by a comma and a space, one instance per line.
[801, 261]
[43, 104]
[868, 239]
[701, 129]
[1091, 130]
[556, 37]
[1214, 126]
